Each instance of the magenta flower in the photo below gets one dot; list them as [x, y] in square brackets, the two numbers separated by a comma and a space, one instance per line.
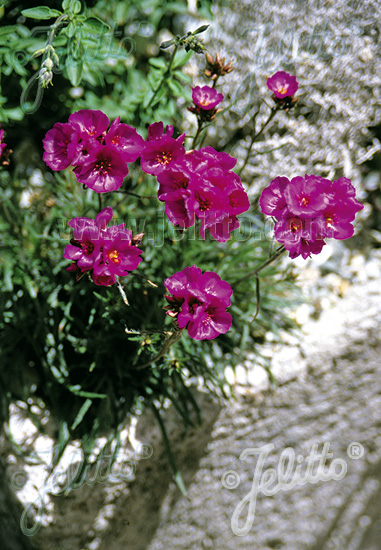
[156, 131]
[92, 123]
[161, 151]
[282, 84]
[206, 98]
[57, 143]
[198, 302]
[104, 170]
[85, 248]
[2, 145]
[127, 142]
[272, 200]
[306, 196]
[104, 251]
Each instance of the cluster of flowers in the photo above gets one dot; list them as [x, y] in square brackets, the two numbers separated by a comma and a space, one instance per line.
[104, 252]
[195, 184]
[100, 156]
[308, 210]
[198, 301]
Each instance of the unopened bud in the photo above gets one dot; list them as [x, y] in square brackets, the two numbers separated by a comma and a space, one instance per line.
[48, 63]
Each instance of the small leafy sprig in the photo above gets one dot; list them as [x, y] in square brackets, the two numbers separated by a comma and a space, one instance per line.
[70, 22]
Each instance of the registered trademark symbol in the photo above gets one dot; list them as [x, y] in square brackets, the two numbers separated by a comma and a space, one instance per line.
[355, 450]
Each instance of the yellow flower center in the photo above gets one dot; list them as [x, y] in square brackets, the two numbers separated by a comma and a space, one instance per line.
[113, 256]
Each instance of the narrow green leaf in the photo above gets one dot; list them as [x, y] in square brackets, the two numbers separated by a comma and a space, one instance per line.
[63, 440]
[82, 393]
[201, 29]
[81, 413]
[167, 44]
[41, 12]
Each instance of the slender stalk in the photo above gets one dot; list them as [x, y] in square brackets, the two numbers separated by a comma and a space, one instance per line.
[254, 273]
[165, 75]
[136, 195]
[256, 135]
[215, 82]
[167, 344]
[199, 130]
[100, 202]
[257, 292]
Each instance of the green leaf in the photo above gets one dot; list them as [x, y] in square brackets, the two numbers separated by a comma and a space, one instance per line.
[82, 393]
[158, 62]
[41, 12]
[74, 71]
[82, 411]
[176, 88]
[16, 113]
[8, 29]
[71, 28]
[181, 58]
[183, 77]
[95, 25]
[76, 6]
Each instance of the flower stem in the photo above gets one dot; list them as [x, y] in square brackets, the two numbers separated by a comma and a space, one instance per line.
[279, 251]
[175, 336]
[165, 76]
[199, 130]
[254, 136]
[215, 82]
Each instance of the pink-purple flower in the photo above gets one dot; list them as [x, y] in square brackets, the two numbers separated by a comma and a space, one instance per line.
[103, 170]
[161, 150]
[105, 252]
[2, 145]
[198, 302]
[206, 97]
[309, 209]
[201, 186]
[99, 156]
[282, 84]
